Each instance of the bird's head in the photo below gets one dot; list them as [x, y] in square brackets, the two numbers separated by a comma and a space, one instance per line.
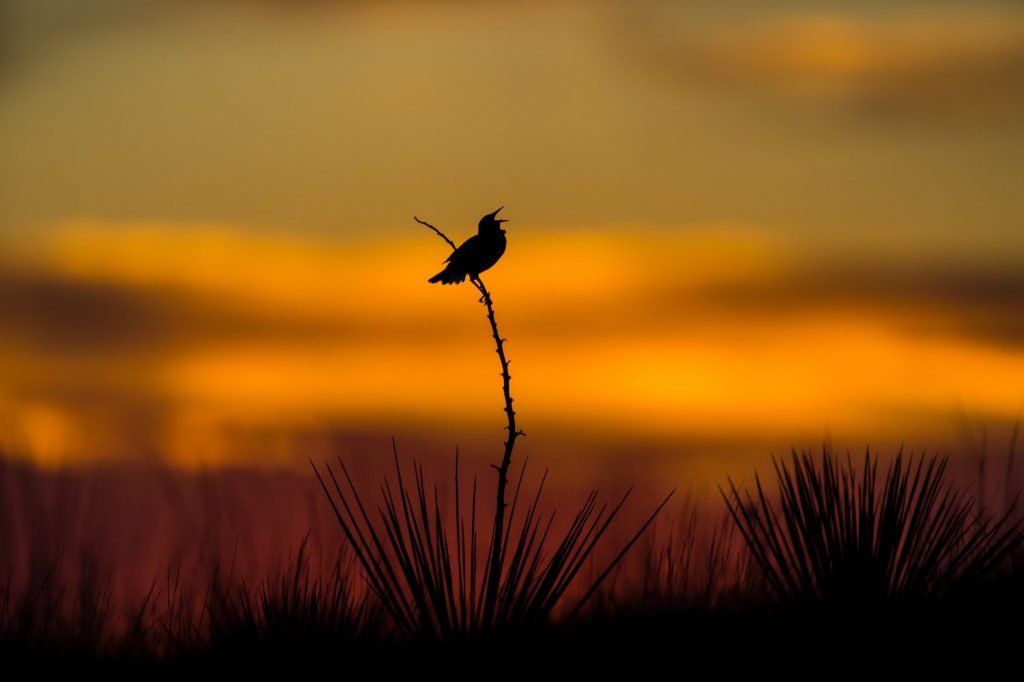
[491, 223]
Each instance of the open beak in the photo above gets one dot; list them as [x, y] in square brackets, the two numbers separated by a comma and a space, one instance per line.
[497, 220]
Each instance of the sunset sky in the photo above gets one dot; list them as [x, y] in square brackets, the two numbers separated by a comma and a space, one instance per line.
[735, 226]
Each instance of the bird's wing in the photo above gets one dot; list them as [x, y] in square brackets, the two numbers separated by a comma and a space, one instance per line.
[460, 253]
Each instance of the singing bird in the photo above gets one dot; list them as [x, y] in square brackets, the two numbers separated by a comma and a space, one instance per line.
[476, 254]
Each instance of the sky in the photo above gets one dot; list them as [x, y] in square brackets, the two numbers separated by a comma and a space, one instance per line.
[735, 227]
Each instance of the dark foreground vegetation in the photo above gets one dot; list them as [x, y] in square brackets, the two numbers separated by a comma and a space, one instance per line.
[831, 559]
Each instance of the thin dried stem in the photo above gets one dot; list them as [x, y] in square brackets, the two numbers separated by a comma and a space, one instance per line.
[496, 558]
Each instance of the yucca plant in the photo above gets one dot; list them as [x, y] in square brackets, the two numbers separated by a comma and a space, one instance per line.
[853, 538]
[432, 576]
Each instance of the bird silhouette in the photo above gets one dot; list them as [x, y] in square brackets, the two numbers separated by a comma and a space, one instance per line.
[476, 254]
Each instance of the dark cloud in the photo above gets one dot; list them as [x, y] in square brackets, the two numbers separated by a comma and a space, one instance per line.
[30, 28]
[65, 315]
[985, 305]
[76, 317]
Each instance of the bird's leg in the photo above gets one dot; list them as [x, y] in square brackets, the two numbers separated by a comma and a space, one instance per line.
[475, 279]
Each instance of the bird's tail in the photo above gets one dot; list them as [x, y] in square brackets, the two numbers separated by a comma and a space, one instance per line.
[448, 276]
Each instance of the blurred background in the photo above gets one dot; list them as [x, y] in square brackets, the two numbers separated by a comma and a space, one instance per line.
[736, 227]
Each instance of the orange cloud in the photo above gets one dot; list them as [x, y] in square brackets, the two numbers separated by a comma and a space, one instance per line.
[960, 60]
[173, 340]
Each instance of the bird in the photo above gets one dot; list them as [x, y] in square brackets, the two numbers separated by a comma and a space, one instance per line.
[476, 254]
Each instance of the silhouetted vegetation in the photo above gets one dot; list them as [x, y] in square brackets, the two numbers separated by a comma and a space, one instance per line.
[433, 583]
[295, 614]
[852, 539]
[693, 586]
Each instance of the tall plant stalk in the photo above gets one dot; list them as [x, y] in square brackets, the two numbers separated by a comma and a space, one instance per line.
[496, 558]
